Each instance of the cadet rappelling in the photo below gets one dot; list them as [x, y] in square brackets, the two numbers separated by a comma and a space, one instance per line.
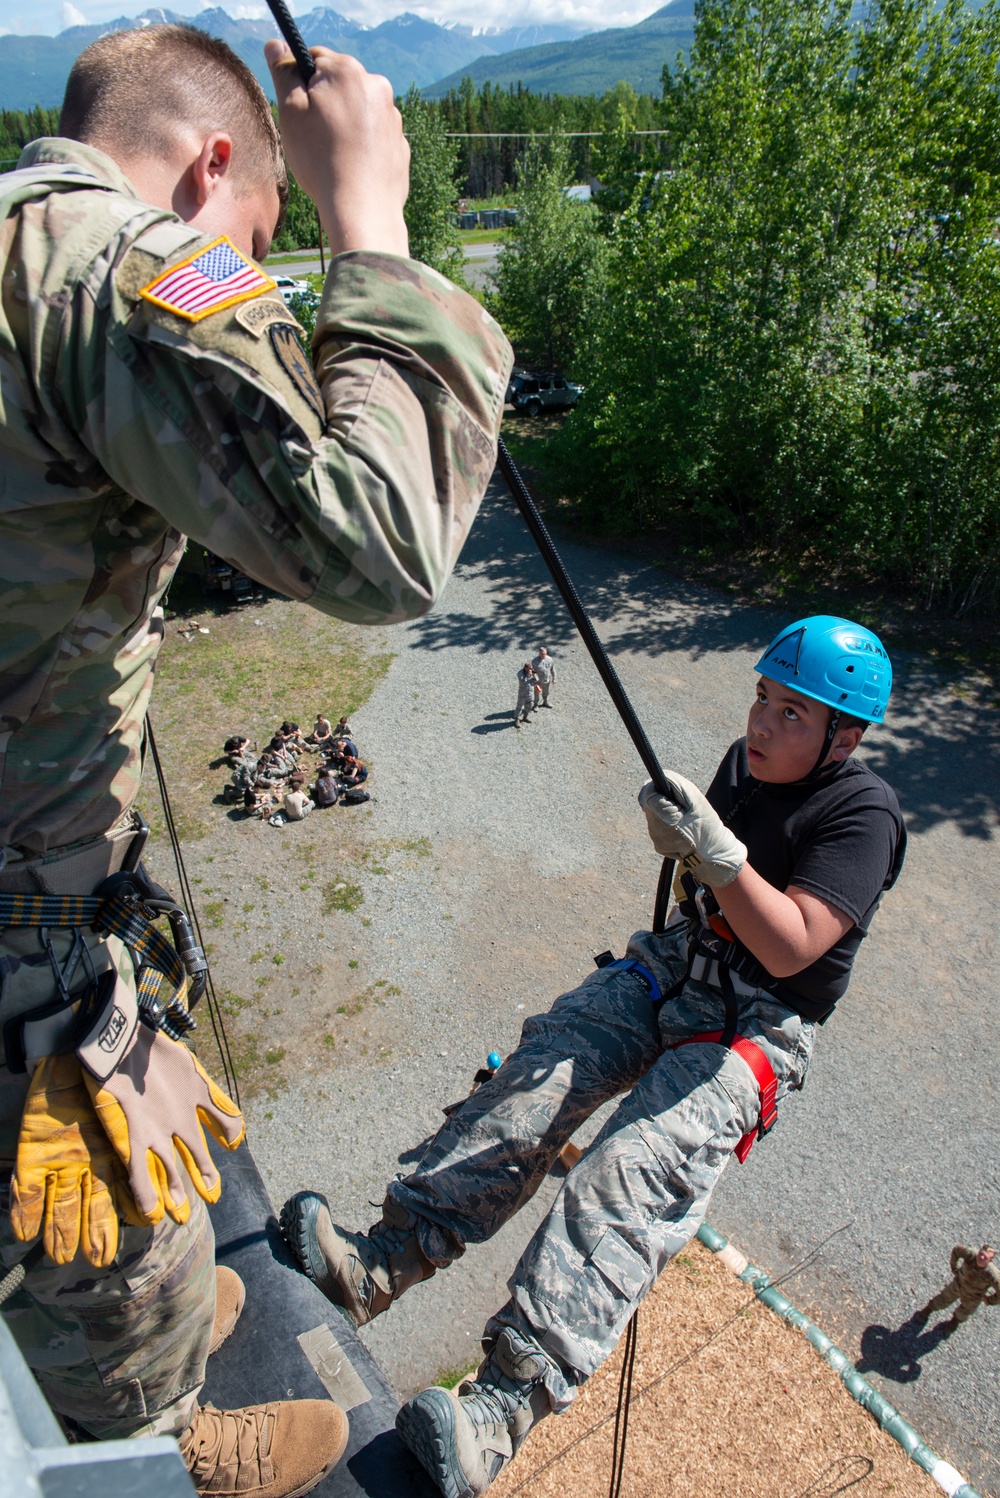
[704, 1027]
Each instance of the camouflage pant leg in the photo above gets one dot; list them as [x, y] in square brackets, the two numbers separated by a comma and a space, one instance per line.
[642, 1189]
[121, 1351]
[490, 1156]
[967, 1306]
[944, 1298]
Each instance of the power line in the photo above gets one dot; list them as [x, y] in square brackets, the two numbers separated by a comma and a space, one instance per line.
[528, 134]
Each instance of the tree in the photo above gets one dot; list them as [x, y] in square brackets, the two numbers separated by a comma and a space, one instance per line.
[301, 230]
[430, 207]
[797, 347]
[550, 265]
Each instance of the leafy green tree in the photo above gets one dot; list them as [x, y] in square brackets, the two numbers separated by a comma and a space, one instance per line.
[550, 267]
[430, 207]
[301, 230]
[797, 348]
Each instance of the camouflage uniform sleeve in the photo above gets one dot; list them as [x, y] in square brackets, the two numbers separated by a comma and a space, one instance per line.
[354, 492]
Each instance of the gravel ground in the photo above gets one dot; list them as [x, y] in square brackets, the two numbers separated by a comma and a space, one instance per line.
[536, 859]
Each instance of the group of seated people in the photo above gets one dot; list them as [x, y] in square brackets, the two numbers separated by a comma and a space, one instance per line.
[274, 785]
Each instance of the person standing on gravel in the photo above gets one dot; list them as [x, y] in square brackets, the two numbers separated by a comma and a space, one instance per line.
[975, 1282]
[702, 1027]
[525, 694]
[155, 387]
[544, 668]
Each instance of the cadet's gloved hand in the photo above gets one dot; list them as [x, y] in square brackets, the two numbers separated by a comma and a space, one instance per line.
[67, 1183]
[157, 1101]
[692, 832]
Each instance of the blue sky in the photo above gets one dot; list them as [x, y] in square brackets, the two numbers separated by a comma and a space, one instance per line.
[47, 17]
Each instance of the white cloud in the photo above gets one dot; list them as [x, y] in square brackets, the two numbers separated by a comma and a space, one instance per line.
[47, 16]
[239, 12]
[591, 15]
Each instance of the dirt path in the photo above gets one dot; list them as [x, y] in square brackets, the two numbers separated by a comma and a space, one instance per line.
[491, 868]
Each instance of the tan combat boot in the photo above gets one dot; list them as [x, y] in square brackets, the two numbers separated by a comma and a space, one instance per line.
[230, 1296]
[464, 1438]
[265, 1450]
[363, 1272]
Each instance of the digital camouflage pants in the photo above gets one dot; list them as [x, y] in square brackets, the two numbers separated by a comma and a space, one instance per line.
[119, 1351]
[642, 1188]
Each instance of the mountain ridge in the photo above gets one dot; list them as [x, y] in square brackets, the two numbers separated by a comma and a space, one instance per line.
[406, 48]
[589, 64]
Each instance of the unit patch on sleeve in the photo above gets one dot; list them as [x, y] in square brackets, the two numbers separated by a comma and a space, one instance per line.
[257, 316]
[295, 362]
[215, 277]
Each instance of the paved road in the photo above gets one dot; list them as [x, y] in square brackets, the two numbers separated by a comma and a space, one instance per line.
[540, 859]
[479, 260]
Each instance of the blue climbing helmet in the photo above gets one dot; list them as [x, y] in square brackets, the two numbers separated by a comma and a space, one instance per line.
[832, 661]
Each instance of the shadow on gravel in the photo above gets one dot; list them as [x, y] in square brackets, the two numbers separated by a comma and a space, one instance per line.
[942, 760]
[494, 723]
[897, 1354]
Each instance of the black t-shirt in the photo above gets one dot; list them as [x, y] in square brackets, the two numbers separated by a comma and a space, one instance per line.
[841, 837]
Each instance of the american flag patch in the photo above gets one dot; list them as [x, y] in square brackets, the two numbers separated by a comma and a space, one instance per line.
[216, 277]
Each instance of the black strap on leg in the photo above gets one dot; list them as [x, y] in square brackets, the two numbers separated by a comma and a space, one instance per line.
[730, 1006]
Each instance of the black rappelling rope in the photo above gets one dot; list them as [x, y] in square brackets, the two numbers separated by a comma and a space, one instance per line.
[187, 900]
[624, 1406]
[528, 508]
[539, 532]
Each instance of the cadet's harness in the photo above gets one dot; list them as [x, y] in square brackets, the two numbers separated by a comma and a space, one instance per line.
[748, 1050]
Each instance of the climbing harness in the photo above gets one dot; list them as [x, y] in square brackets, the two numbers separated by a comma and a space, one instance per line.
[748, 1050]
[169, 979]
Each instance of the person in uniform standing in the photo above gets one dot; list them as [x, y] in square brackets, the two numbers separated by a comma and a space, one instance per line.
[975, 1282]
[545, 674]
[155, 387]
[525, 694]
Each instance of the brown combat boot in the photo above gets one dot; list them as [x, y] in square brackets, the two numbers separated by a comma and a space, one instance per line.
[265, 1450]
[362, 1272]
[230, 1297]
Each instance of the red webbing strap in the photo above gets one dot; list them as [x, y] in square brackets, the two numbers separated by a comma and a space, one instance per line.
[767, 1083]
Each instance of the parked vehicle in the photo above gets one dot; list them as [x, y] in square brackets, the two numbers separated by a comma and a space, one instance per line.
[289, 287]
[535, 393]
[219, 576]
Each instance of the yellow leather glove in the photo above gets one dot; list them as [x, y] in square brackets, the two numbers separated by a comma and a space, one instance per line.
[67, 1183]
[155, 1102]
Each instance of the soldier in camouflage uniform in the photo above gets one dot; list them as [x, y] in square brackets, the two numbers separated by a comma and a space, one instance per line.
[701, 1027]
[544, 668]
[154, 386]
[975, 1282]
[525, 694]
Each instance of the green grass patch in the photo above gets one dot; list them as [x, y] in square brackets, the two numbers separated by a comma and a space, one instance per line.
[214, 912]
[341, 894]
[373, 994]
[450, 1378]
[259, 663]
[479, 236]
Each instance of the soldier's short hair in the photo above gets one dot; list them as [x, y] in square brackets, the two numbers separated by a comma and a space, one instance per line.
[149, 84]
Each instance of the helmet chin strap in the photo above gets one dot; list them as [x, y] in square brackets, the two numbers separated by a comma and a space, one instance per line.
[831, 734]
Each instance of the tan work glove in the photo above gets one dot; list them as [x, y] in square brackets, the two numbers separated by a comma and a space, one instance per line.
[68, 1185]
[155, 1102]
[691, 831]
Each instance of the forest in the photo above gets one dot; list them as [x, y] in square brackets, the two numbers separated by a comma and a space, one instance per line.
[783, 301]
[788, 332]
